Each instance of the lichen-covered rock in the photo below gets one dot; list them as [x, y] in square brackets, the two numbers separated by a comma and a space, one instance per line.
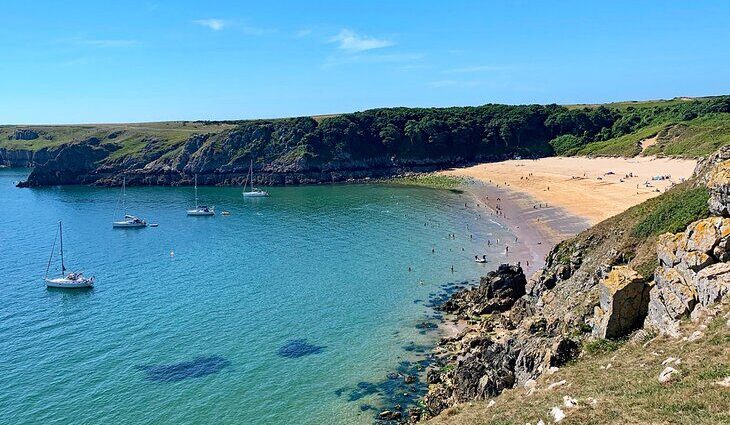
[667, 246]
[624, 297]
[718, 184]
[670, 298]
[692, 270]
[712, 283]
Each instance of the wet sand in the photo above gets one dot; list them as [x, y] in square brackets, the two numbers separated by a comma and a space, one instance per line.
[537, 229]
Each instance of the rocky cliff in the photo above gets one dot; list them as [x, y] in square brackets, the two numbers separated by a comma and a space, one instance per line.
[590, 289]
[215, 159]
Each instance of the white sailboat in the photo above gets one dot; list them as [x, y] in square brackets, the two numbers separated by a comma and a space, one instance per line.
[254, 192]
[71, 280]
[200, 210]
[129, 221]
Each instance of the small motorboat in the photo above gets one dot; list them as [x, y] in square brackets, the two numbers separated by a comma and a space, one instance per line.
[480, 260]
[70, 280]
[154, 224]
[225, 213]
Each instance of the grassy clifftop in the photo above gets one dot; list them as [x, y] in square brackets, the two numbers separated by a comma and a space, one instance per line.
[687, 139]
[617, 383]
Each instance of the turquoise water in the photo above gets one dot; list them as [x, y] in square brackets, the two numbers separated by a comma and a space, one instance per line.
[199, 337]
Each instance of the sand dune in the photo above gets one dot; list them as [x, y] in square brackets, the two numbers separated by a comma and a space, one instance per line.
[583, 186]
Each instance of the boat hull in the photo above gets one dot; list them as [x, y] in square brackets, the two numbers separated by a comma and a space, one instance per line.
[195, 213]
[255, 195]
[68, 283]
[126, 225]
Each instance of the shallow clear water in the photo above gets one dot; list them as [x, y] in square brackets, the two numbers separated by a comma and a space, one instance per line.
[198, 337]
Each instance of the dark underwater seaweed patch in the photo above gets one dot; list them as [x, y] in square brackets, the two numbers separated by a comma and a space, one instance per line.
[199, 366]
[296, 348]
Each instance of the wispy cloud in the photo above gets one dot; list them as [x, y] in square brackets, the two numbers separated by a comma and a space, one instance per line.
[212, 23]
[478, 68]
[352, 42]
[370, 58]
[216, 24]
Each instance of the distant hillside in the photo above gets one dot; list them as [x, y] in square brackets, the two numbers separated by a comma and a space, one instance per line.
[376, 142]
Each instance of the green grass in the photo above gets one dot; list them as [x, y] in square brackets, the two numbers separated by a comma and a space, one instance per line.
[434, 181]
[597, 346]
[170, 133]
[695, 138]
[627, 145]
[638, 103]
[673, 212]
[684, 139]
[626, 392]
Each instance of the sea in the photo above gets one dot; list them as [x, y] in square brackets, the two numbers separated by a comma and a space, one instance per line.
[307, 307]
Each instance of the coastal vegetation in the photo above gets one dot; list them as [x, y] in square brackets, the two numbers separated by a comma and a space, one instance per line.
[617, 383]
[433, 181]
[377, 139]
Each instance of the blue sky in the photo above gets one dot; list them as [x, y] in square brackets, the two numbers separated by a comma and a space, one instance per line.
[92, 61]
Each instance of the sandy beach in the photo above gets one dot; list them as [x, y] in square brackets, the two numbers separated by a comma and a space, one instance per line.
[548, 200]
[592, 188]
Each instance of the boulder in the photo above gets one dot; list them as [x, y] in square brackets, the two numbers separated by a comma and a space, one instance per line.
[670, 298]
[667, 246]
[667, 375]
[23, 134]
[624, 297]
[703, 235]
[718, 184]
[712, 283]
[496, 292]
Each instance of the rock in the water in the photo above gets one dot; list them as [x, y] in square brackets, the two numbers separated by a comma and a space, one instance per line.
[496, 292]
[624, 298]
[389, 415]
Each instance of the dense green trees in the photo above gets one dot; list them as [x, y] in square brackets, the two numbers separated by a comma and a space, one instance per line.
[460, 133]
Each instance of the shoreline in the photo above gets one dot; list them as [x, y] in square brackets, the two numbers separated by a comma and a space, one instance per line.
[537, 229]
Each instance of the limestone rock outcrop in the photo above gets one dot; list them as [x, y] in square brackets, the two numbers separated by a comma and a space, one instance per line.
[692, 272]
[715, 171]
[624, 297]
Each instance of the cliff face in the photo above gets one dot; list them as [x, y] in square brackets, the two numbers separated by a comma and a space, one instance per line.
[519, 329]
[22, 157]
[217, 159]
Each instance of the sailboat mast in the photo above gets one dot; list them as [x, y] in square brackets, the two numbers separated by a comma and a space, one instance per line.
[53, 250]
[60, 232]
[124, 195]
[196, 191]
